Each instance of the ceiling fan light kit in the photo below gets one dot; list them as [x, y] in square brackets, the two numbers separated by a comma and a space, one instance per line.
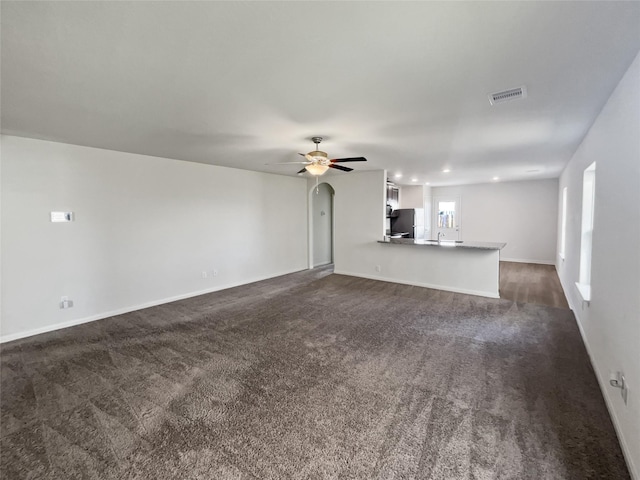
[316, 168]
[319, 159]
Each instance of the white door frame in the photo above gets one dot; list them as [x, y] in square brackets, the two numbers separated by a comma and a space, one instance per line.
[457, 229]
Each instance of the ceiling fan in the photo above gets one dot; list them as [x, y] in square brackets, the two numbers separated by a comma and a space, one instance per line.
[318, 162]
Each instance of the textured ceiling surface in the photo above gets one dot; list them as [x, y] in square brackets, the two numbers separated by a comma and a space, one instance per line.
[244, 84]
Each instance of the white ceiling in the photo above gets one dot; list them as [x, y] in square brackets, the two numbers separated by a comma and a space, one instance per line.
[242, 84]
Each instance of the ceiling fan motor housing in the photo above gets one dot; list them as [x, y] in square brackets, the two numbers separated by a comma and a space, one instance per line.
[318, 157]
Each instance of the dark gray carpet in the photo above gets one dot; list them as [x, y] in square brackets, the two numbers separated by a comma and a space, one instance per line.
[310, 375]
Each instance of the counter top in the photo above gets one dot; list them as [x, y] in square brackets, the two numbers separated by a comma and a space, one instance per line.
[444, 243]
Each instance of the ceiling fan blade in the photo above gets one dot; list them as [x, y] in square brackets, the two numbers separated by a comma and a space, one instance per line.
[286, 163]
[302, 171]
[340, 167]
[352, 159]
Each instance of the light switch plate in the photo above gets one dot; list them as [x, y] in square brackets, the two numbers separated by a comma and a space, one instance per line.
[62, 217]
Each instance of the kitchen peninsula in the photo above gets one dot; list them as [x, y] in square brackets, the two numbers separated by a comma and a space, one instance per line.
[458, 266]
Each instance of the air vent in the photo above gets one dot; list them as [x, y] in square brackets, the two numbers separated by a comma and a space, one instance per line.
[506, 95]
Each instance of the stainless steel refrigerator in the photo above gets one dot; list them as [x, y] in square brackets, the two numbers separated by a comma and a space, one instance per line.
[408, 222]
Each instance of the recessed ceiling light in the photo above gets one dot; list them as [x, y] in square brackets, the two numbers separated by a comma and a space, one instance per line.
[414, 179]
[446, 170]
[398, 175]
[495, 179]
[426, 183]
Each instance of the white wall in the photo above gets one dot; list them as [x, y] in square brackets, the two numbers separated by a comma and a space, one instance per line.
[428, 212]
[322, 217]
[411, 196]
[523, 214]
[146, 228]
[359, 218]
[610, 324]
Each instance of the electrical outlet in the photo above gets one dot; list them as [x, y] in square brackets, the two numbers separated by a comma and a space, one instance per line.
[204, 274]
[378, 268]
[618, 380]
[65, 302]
[215, 273]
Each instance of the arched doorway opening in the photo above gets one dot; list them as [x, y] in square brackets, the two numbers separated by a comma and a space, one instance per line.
[321, 225]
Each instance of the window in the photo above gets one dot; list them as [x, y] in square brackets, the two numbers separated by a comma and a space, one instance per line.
[563, 220]
[446, 214]
[588, 200]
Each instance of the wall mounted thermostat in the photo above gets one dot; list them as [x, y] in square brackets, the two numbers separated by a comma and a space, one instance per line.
[62, 216]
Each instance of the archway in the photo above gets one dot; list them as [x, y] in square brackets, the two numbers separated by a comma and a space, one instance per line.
[321, 225]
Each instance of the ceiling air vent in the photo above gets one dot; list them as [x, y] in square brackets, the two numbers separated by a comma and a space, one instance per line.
[506, 95]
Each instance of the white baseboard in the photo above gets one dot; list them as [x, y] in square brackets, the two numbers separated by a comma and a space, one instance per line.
[132, 308]
[528, 260]
[421, 284]
[322, 264]
[603, 384]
